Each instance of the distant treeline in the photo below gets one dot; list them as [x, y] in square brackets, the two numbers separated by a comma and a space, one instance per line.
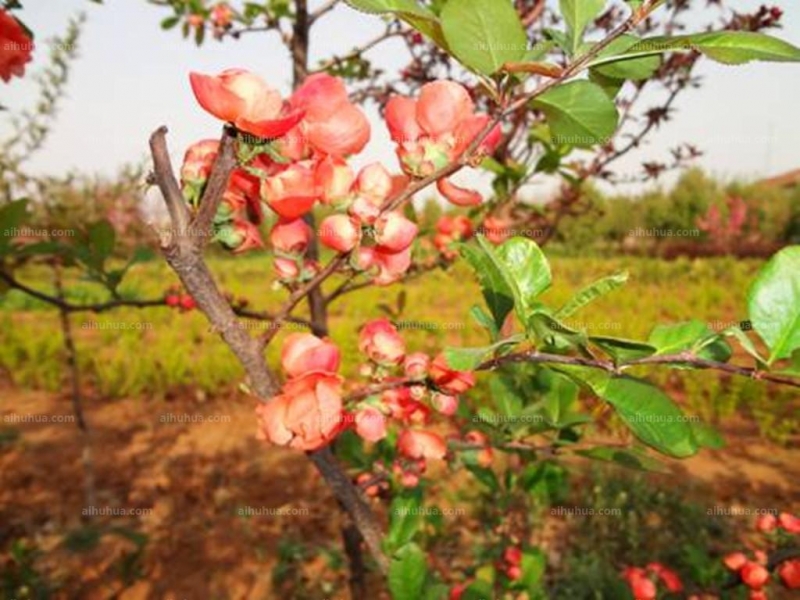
[699, 216]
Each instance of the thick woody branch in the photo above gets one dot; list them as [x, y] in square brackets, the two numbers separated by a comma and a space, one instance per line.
[186, 259]
[164, 178]
[217, 183]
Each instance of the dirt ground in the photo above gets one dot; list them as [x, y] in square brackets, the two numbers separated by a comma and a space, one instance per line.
[215, 505]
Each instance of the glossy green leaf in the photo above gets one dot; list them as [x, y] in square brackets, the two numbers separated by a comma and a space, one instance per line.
[578, 14]
[484, 34]
[629, 459]
[727, 47]
[621, 350]
[468, 359]
[496, 288]
[774, 303]
[690, 336]
[405, 519]
[579, 113]
[527, 267]
[589, 294]
[635, 68]
[407, 573]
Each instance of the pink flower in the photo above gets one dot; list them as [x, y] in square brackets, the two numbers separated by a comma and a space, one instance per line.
[395, 233]
[437, 128]
[244, 99]
[641, 585]
[305, 353]
[370, 424]
[340, 233]
[496, 230]
[458, 196]
[416, 365]
[766, 523]
[372, 187]
[287, 269]
[242, 193]
[290, 236]
[754, 575]
[307, 415]
[198, 162]
[292, 192]
[335, 179]
[391, 265]
[16, 48]
[381, 342]
[449, 380]
[414, 443]
[332, 124]
[669, 577]
[735, 561]
[239, 236]
[790, 523]
[789, 572]
[447, 405]
[221, 15]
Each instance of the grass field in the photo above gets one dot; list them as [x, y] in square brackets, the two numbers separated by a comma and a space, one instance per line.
[156, 352]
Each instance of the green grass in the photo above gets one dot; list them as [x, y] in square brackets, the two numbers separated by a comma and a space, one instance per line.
[170, 351]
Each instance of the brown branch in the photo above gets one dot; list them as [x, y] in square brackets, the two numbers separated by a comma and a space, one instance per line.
[323, 10]
[186, 259]
[217, 183]
[164, 178]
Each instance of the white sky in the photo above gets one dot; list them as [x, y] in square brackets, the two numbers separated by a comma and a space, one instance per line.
[132, 77]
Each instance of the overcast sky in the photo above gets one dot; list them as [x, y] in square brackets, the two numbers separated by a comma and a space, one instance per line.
[132, 77]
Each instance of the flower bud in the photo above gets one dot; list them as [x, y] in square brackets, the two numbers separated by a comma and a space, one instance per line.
[291, 237]
[340, 233]
[449, 380]
[305, 353]
[414, 443]
[370, 424]
[292, 192]
[416, 366]
[395, 233]
[239, 236]
[335, 180]
[381, 342]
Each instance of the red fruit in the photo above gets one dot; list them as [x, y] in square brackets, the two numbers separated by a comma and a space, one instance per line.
[187, 303]
[172, 300]
[513, 555]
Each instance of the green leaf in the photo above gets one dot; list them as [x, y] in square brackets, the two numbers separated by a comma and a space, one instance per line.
[468, 359]
[12, 215]
[727, 47]
[651, 415]
[505, 395]
[528, 267]
[648, 412]
[485, 321]
[691, 336]
[404, 519]
[746, 343]
[493, 281]
[633, 68]
[407, 573]
[774, 303]
[579, 113]
[101, 239]
[484, 34]
[419, 17]
[591, 293]
[533, 568]
[482, 474]
[578, 14]
[623, 350]
[707, 436]
[630, 459]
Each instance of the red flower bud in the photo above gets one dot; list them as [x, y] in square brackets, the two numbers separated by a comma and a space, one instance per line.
[16, 48]
[370, 424]
[754, 575]
[395, 233]
[304, 353]
[766, 523]
[790, 523]
[292, 192]
[291, 237]
[449, 380]
[380, 341]
[340, 233]
[414, 443]
[416, 365]
[789, 572]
